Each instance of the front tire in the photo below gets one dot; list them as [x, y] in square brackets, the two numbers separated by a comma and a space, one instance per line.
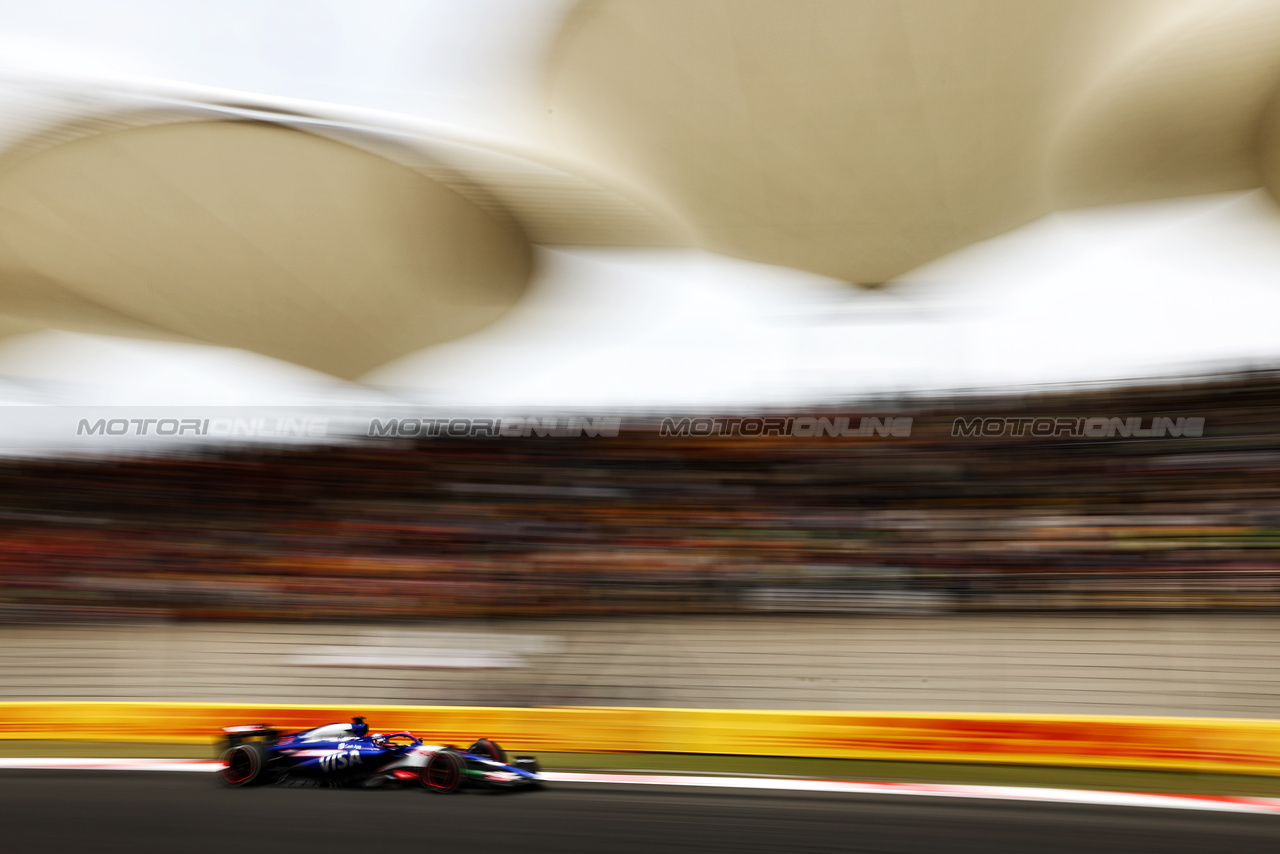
[489, 749]
[444, 772]
[243, 765]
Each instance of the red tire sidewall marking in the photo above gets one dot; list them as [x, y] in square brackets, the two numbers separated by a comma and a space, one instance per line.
[451, 766]
[248, 775]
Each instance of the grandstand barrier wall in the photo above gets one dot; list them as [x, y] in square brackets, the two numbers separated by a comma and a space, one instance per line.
[1207, 745]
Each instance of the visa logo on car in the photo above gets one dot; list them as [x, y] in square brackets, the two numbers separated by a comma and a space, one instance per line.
[340, 761]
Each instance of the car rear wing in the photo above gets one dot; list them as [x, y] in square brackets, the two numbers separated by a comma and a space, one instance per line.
[250, 732]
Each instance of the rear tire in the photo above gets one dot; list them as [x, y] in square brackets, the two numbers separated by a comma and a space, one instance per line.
[243, 765]
[444, 772]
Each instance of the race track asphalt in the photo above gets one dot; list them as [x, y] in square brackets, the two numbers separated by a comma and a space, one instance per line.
[143, 812]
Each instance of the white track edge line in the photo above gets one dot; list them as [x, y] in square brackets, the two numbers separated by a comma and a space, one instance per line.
[1009, 793]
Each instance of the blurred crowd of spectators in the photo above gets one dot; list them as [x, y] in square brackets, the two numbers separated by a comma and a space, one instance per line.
[643, 522]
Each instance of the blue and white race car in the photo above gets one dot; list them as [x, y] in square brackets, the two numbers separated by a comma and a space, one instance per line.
[343, 755]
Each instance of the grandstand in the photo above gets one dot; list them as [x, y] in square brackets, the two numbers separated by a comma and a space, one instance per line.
[933, 518]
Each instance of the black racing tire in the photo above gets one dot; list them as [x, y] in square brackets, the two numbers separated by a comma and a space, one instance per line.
[444, 772]
[489, 750]
[244, 765]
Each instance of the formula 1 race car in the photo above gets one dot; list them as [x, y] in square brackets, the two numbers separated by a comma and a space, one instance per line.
[341, 755]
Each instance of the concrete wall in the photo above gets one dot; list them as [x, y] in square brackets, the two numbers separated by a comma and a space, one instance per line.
[1198, 665]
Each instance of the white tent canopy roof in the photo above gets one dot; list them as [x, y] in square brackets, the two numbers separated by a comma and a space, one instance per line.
[401, 193]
